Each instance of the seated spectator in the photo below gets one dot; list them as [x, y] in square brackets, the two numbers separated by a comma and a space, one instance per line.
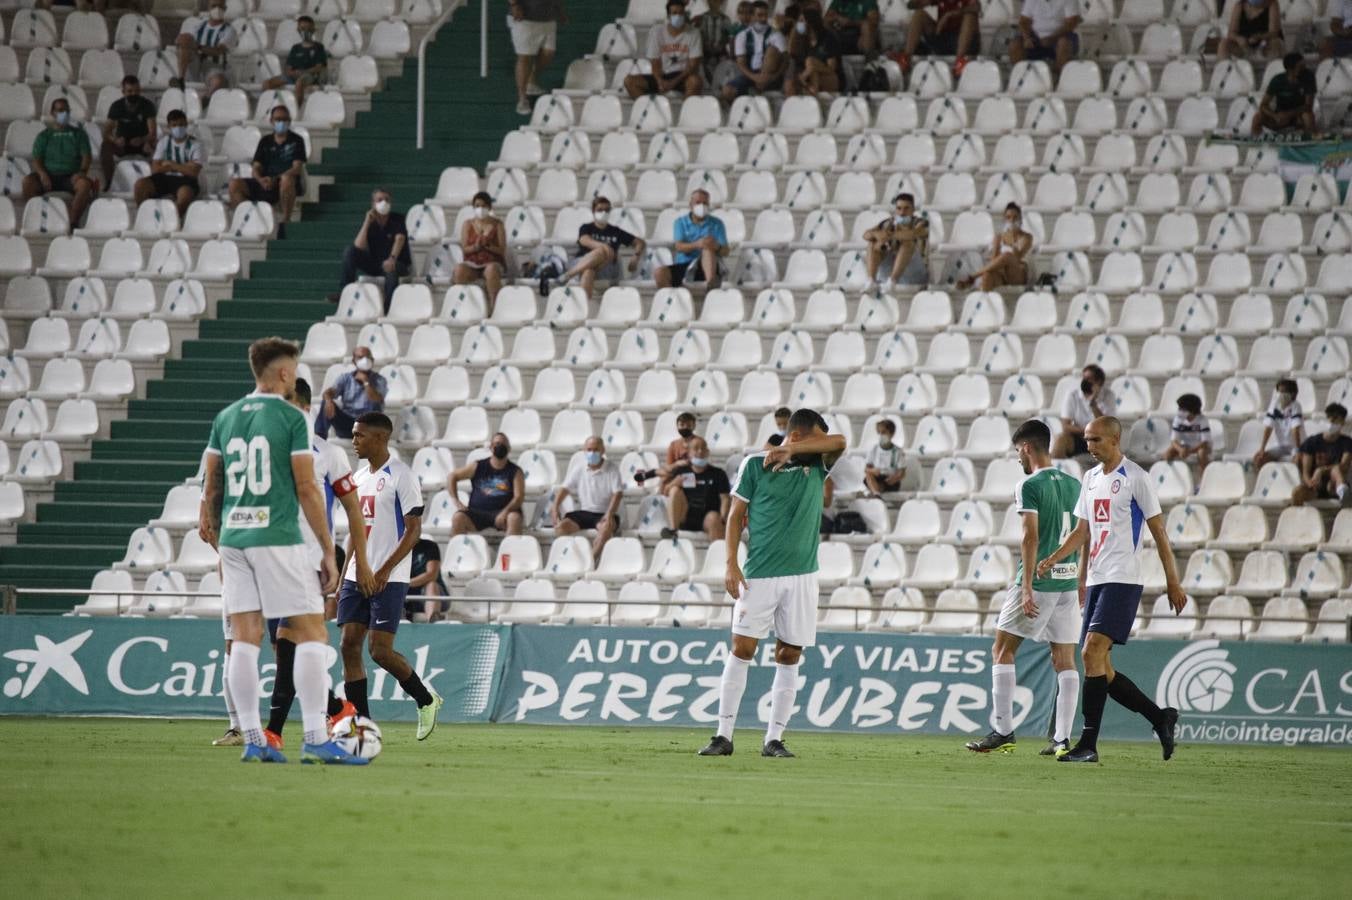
[1288, 102]
[1191, 433]
[745, 16]
[598, 489]
[761, 54]
[902, 242]
[425, 578]
[497, 491]
[1255, 27]
[678, 451]
[380, 248]
[175, 167]
[856, 24]
[782, 416]
[278, 170]
[715, 33]
[1339, 41]
[484, 242]
[130, 129]
[208, 43]
[815, 51]
[598, 251]
[698, 494]
[886, 464]
[356, 392]
[1081, 407]
[61, 161]
[1047, 30]
[1008, 264]
[953, 29]
[676, 51]
[1283, 426]
[700, 241]
[1324, 461]
[307, 63]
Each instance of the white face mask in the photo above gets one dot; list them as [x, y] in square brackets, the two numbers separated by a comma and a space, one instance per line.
[364, 364]
[1012, 226]
[800, 27]
[217, 13]
[700, 210]
[480, 212]
[383, 207]
[602, 216]
[677, 22]
[760, 27]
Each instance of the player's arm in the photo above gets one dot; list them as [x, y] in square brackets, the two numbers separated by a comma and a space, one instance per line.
[453, 479]
[412, 534]
[1028, 547]
[733, 580]
[209, 510]
[1177, 599]
[1073, 542]
[830, 446]
[312, 504]
[356, 532]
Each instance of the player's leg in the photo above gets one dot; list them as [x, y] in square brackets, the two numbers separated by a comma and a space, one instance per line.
[283, 680]
[354, 671]
[1067, 695]
[386, 610]
[795, 628]
[243, 605]
[1003, 680]
[232, 737]
[752, 614]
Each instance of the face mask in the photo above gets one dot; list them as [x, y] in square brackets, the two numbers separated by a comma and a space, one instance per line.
[885, 442]
[383, 207]
[677, 22]
[1086, 386]
[1286, 399]
[364, 364]
[281, 127]
[178, 132]
[700, 210]
[685, 433]
[699, 462]
[593, 458]
[1012, 226]
[217, 13]
[800, 27]
[783, 432]
[602, 216]
[902, 220]
[760, 27]
[480, 212]
[307, 34]
[500, 451]
[63, 117]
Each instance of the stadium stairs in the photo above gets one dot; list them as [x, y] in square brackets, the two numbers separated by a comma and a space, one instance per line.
[123, 484]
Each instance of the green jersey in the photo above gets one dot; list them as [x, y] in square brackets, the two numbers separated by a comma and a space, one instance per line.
[784, 516]
[256, 438]
[1052, 494]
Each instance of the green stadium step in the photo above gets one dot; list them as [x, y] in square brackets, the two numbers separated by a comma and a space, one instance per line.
[100, 534]
[247, 330]
[125, 512]
[167, 473]
[226, 370]
[169, 429]
[34, 556]
[95, 492]
[285, 311]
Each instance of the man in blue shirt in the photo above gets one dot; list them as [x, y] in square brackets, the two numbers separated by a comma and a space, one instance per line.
[354, 394]
[700, 241]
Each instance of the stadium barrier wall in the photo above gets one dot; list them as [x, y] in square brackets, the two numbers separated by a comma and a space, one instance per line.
[1254, 693]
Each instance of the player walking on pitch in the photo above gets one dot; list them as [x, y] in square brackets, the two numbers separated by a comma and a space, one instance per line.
[259, 478]
[778, 493]
[1038, 608]
[1116, 499]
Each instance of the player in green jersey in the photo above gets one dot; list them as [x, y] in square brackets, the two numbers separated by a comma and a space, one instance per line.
[778, 495]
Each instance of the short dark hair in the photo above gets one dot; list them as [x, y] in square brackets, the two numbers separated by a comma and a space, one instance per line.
[176, 115]
[302, 392]
[130, 79]
[1288, 385]
[59, 100]
[1035, 432]
[300, 19]
[282, 106]
[760, 4]
[904, 195]
[783, 412]
[807, 419]
[887, 425]
[266, 351]
[1336, 411]
[1291, 60]
[599, 199]
[1097, 371]
[377, 420]
[1011, 206]
[482, 195]
[686, 416]
[1190, 403]
[775, 440]
[671, 3]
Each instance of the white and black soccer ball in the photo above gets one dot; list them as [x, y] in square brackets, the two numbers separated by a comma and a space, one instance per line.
[357, 735]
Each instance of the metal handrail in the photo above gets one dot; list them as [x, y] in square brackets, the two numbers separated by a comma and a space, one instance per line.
[422, 55]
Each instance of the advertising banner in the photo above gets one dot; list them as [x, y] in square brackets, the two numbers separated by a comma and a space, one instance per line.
[1324, 158]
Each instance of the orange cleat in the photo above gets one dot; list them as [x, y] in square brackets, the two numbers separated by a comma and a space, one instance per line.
[274, 739]
[348, 710]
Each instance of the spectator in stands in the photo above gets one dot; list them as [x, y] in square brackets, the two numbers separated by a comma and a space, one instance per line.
[380, 248]
[902, 241]
[356, 392]
[1339, 41]
[534, 26]
[676, 51]
[278, 170]
[715, 33]
[815, 52]
[761, 54]
[175, 167]
[1081, 407]
[856, 23]
[207, 42]
[425, 578]
[484, 242]
[598, 488]
[953, 29]
[497, 491]
[1047, 31]
[61, 161]
[745, 15]
[700, 241]
[307, 62]
[1191, 433]
[598, 250]
[782, 416]
[885, 466]
[698, 494]
[1288, 102]
[1283, 425]
[1255, 27]
[1009, 251]
[1324, 461]
[679, 449]
[130, 129]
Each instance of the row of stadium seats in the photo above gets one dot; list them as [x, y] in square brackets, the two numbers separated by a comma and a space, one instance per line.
[71, 257]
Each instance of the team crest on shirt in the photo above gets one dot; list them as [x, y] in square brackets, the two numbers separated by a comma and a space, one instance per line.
[380, 485]
[1101, 510]
[1117, 485]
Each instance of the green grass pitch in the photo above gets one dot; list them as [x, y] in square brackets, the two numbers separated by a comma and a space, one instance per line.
[120, 808]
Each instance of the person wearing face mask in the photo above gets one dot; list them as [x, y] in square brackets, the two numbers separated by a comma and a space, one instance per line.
[762, 55]
[700, 242]
[676, 50]
[278, 170]
[379, 249]
[1009, 251]
[484, 242]
[902, 242]
[358, 391]
[885, 466]
[497, 491]
[598, 489]
[1325, 460]
[307, 62]
[1283, 426]
[1093, 400]
[598, 251]
[1255, 28]
[715, 31]
[130, 128]
[174, 168]
[679, 449]
[698, 494]
[61, 161]
[206, 41]
[815, 50]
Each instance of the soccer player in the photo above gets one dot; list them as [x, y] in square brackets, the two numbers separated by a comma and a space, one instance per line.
[779, 495]
[1116, 499]
[392, 506]
[259, 477]
[1038, 608]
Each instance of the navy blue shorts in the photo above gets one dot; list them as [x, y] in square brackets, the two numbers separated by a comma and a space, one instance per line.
[1048, 51]
[1110, 609]
[273, 625]
[379, 613]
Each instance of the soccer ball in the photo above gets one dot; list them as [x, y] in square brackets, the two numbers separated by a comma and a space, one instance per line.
[357, 735]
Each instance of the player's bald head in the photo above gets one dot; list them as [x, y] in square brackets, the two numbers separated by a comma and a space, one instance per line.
[1107, 426]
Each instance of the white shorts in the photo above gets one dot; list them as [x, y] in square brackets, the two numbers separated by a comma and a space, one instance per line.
[529, 38]
[276, 581]
[1057, 621]
[787, 602]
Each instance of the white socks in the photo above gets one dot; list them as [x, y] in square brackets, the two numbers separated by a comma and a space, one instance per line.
[730, 692]
[1067, 698]
[312, 686]
[242, 674]
[1002, 698]
[782, 694]
[230, 697]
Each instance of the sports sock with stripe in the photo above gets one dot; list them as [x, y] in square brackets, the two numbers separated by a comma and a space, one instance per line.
[1067, 698]
[1124, 691]
[243, 677]
[1002, 698]
[782, 694]
[1095, 698]
[312, 681]
[730, 691]
[283, 686]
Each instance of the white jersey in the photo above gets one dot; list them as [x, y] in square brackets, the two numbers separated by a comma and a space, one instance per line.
[386, 496]
[1116, 505]
[333, 474]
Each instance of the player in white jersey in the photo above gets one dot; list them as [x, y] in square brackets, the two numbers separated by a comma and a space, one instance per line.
[1116, 501]
[392, 508]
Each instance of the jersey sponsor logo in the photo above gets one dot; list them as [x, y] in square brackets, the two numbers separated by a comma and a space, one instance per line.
[1065, 570]
[368, 506]
[1102, 510]
[243, 517]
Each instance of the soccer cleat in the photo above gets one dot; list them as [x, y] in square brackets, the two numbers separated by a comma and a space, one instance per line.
[1055, 748]
[993, 742]
[1166, 733]
[231, 738]
[274, 739]
[328, 754]
[427, 715]
[718, 746]
[256, 753]
[776, 748]
[347, 711]
[1079, 755]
